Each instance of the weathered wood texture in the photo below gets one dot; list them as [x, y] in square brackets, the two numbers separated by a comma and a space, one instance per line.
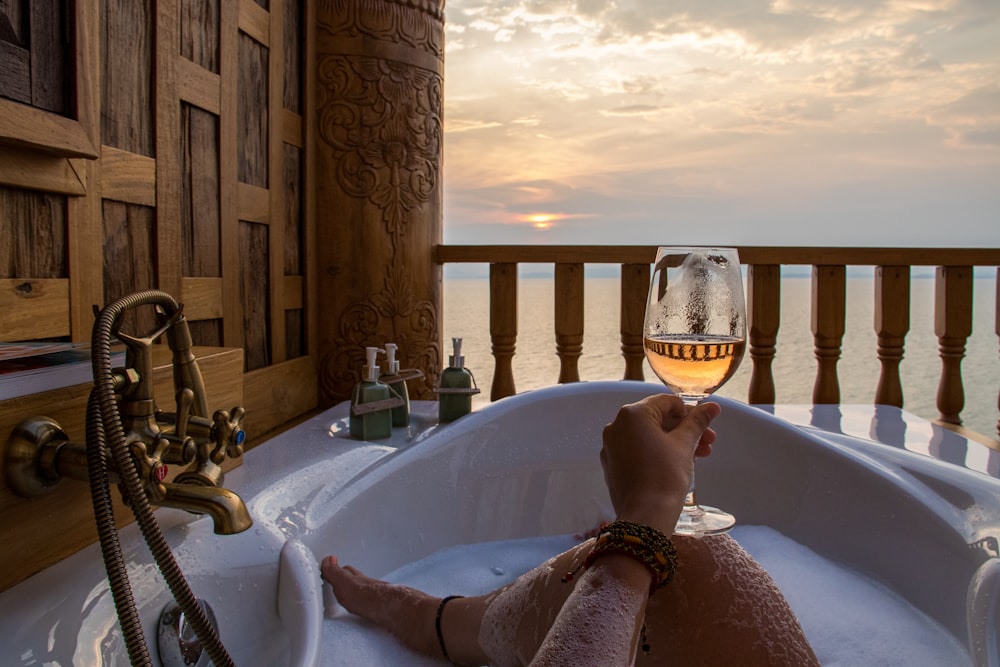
[33, 227]
[185, 156]
[253, 112]
[127, 46]
[199, 32]
[200, 208]
[254, 294]
[193, 117]
[34, 56]
[128, 258]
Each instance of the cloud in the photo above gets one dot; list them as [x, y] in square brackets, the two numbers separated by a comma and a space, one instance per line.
[715, 110]
[633, 110]
[464, 125]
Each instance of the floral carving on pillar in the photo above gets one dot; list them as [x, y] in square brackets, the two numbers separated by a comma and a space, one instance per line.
[383, 121]
[380, 120]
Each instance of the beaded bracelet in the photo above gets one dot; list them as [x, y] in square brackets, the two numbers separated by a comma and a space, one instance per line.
[647, 545]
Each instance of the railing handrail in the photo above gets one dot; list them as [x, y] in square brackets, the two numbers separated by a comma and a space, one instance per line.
[952, 320]
[799, 255]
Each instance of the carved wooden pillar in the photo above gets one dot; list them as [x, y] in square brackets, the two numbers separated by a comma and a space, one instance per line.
[379, 72]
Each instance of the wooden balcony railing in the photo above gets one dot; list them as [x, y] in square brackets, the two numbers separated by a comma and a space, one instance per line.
[953, 306]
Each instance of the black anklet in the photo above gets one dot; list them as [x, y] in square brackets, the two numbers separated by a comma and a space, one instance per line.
[437, 624]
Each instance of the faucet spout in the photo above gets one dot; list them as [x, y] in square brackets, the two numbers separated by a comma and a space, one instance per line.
[228, 511]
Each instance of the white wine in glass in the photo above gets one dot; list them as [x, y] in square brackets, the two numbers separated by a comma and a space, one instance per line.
[694, 338]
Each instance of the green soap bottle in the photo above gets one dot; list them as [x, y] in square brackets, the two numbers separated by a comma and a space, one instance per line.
[401, 414]
[366, 423]
[456, 376]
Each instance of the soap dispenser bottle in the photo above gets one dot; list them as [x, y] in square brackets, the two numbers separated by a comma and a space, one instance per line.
[397, 386]
[369, 420]
[456, 387]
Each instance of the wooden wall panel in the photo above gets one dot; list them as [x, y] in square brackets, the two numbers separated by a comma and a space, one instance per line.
[295, 335]
[178, 101]
[33, 226]
[34, 55]
[293, 210]
[126, 91]
[200, 214]
[199, 32]
[34, 308]
[293, 51]
[49, 66]
[206, 332]
[253, 112]
[129, 260]
[127, 177]
[255, 294]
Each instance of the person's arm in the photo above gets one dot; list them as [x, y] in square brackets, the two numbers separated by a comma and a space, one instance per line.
[648, 458]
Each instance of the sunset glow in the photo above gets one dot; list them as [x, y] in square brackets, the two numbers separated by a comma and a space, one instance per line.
[845, 122]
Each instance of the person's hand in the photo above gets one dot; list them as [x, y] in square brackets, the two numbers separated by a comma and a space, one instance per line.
[648, 457]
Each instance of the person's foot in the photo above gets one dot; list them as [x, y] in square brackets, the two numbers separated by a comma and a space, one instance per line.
[405, 612]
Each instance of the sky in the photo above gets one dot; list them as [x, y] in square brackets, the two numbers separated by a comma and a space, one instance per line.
[739, 122]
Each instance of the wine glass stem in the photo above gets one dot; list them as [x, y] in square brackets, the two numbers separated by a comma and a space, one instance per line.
[689, 502]
[696, 520]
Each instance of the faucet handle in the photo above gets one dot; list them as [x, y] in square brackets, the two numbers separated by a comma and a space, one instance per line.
[227, 434]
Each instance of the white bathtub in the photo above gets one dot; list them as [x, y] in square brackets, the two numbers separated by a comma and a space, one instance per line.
[522, 467]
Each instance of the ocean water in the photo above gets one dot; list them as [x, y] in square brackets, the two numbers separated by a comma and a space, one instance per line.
[535, 364]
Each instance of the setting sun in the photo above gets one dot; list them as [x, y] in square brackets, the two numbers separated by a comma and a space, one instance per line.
[540, 220]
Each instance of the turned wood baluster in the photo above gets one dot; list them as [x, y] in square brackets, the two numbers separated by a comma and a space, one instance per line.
[503, 327]
[569, 319]
[829, 297]
[763, 315]
[892, 323]
[635, 288]
[952, 326]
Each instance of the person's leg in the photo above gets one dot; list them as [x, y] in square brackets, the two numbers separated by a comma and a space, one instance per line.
[721, 606]
[505, 627]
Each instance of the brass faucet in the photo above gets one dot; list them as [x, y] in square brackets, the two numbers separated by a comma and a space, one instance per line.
[229, 513]
[39, 453]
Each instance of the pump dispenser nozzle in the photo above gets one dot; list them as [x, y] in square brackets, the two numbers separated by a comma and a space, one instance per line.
[371, 371]
[456, 360]
[390, 356]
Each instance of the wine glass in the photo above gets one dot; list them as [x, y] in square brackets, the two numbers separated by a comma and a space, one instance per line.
[694, 337]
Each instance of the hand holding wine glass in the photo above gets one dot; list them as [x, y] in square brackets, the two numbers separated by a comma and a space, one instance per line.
[694, 337]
